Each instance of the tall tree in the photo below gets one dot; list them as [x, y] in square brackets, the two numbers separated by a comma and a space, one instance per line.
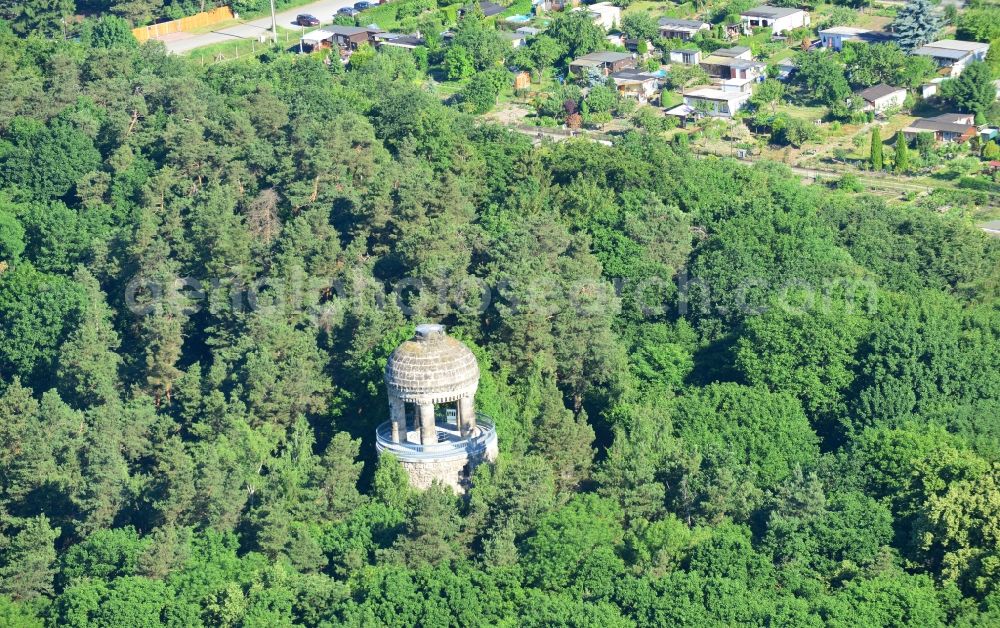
[432, 528]
[640, 26]
[88, 361]
[876, 149]
[38, 310]
[27, 565]
[568, 540]
[153, 295]
[901, 158]
[824, 77]
[916, 24]
[109, 31]
[870, 64]
[577, 33]
[484, 43]
[562, 438]
[11, 237]
[140, 12]
[38, 17]
[643, 442]
[339, 474]
[972, 91]
[810, 354]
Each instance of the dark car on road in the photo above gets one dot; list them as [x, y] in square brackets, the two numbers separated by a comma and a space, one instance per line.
[351, 11]
[306, 20]
[361, 6]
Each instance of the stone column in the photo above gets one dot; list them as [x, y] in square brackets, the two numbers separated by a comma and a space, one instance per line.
[467, 415]
[397, 414]
[428, 435]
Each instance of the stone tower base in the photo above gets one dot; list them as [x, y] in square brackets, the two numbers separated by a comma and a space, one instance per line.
[453, 472]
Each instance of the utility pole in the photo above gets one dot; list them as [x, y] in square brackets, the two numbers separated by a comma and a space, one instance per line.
[274, 24]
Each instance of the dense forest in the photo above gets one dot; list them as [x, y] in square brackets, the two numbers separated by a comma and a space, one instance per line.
[723, 397]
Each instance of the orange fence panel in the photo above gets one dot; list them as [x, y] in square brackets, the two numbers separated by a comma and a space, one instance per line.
[189, 23]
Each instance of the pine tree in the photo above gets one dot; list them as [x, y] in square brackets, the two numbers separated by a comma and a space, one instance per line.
[432, 527]
[916, 24]
[391, 485]
[88, 363]
[39, 447]
[27, 564]
[170, 491]
[40, 17]
[972, 91]
[339, 475]
[562, 438]
[876, 157]
[901, 162]
[160, 309]
[106, 479]
[290, 498]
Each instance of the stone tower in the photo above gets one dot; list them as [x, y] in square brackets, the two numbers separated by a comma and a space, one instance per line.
[433, 427]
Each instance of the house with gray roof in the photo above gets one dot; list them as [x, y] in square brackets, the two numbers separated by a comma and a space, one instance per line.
[948, 127]
[952, 55]
[642, 86]
[881, 97]
[733, 63]
[778, 19]
[671, 28]
[604, 62]
[835, 37]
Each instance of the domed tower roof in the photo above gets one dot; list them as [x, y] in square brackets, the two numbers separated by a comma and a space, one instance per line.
[431, 367]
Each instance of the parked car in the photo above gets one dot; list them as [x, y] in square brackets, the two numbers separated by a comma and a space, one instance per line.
[361, 6]
[305, 19]
[350, 11]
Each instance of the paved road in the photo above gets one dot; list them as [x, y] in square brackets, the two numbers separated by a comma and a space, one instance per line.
[184, 42]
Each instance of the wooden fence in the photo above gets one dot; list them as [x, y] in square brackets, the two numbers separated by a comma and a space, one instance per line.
[188, 23]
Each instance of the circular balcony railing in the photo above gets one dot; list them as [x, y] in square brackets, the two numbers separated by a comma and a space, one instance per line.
[450, 445]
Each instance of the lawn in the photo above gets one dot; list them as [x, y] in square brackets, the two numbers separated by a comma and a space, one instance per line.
[237, 48]
[661, 9]
[670, 99]
[447, 89]
[872, 21]
[548, 81]
[782, 54]
[519, 7]
[802, 112]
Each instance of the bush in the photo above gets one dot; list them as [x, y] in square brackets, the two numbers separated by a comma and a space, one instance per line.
[600, 99]
[963, 166]
[786, 130]
[849, 183]
[977, 183]
[979, 24]
[597, 119]
[241, 7]
[991, 150]
[625, 107]
[840, 16]
[481, 93]
[108, 32]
